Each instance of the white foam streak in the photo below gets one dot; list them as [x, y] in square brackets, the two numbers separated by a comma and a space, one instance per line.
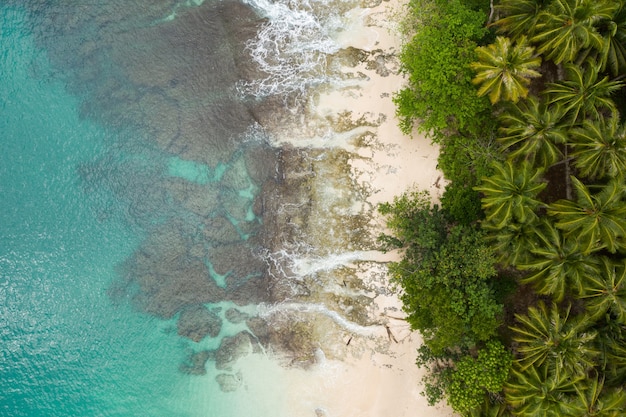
[312, 308]
[292, 48]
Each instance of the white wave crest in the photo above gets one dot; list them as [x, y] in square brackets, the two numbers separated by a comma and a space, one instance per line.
[293, 46]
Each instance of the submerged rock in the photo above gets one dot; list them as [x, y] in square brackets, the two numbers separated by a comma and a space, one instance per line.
[233, 348]
[197, 322]
[196, 363]
[235, 316]
[229, 382]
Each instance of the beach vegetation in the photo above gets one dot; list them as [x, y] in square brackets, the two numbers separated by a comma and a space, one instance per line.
[531, 233]
[504, 69]
[439, 94]
[444, 276]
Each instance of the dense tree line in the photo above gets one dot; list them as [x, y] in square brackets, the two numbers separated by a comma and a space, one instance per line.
[518, 280]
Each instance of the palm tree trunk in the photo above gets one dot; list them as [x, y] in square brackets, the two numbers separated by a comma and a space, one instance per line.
[568, 180]
[491, 10]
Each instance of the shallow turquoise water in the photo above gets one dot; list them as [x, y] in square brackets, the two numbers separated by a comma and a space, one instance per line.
[67, 348]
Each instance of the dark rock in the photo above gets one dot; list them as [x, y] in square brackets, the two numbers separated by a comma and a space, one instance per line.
[235, 316]
[197, 322]
[233, 348]
[196, 363]
[229, 382]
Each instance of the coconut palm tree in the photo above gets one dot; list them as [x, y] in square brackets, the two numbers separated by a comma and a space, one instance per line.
[554, 340]
[612, 55]
[599, 148]
[520, 16]
[537, 391]
[597, 220]
[511, 193]
[582, 95]
[611, 343]
[491, 409]
[593, 400]
[512, 243]
[504, 69]
[558, 264]
[567, 26]
[534, 131]
[605, 291]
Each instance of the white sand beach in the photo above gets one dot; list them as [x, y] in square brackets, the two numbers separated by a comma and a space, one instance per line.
[383, 381]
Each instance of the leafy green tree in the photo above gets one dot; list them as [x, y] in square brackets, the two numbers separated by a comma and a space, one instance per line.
[555, 341]
[436, 61]
[465, 377]
[463, 161]
[597, 220]
[510, 195]
[594, 400]
[582, 94]
[599, 148]
[534, 131]
[520, 16]
[474, 377]
[444, 275]
[558, 264]
[504, 69]
[605, 291]
[538, 391]
[567, 26]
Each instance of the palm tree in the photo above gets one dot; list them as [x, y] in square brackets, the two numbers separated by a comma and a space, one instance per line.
[596, 220]
[511, 193]
[512, 243]
[599, 148]
[537, 391]
[595, 401]
[520, 16]
[491, 409]
[558, 342]
[558, 264]
[504, 70]
[534, 131]
[582, 95]
[612, 55]
[568, 26]
[605, 291]
[611, 343]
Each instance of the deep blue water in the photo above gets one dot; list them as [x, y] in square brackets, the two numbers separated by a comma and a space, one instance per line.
[103, 238]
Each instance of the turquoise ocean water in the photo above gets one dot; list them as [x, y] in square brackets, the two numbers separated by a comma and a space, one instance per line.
[96, 190]
[155, 206]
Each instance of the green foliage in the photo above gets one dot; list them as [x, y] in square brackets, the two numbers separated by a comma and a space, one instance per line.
[463, 162]
[520, 17]
[444, 274]
[510, 195]
[534, 132]
[582, 94]
[599, 148]
[567, 26]
[436, 61]
[605, 291]
[557, 341]
[540, 392]
[570, 359]
[595, 401]
[474, 377]
[559, 264]
[596, 220]
[461, 202]
[504, 69]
